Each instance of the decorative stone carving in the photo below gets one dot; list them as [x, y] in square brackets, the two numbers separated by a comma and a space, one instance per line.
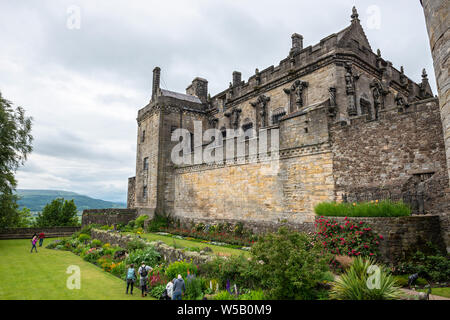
[333, 106]
[261, 110]
[401, 101]
[350, 85]
[378, 94]
[296, 93]
[234, 117]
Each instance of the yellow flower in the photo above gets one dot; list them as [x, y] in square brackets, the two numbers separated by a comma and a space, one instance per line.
[354, 204]
[376, 201]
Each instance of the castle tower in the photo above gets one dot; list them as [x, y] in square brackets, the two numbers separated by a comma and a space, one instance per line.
[436, 16]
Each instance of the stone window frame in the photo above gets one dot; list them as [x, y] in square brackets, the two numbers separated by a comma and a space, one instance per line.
[146, 163]
[277, 115]
[143, 136]
[144, 192]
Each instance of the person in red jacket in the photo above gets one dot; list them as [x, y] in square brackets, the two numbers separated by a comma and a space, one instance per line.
[41, 239]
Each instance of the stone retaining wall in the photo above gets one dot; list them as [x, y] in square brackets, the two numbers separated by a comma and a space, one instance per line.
[403, 235]
[107, 216]
[168, 253]
[27, 233]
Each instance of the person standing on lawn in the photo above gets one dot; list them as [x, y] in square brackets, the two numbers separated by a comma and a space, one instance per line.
[131, 278]
[41, 239]
[143, 271]
[33, 243]
[178, 288]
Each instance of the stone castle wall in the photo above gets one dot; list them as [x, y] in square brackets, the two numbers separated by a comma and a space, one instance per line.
[437, 20]
[27, 233]
[107, 216]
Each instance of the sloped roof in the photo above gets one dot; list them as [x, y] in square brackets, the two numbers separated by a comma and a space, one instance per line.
[180, 96]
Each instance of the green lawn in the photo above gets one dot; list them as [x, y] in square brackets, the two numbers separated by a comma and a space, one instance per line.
[42, 276]
[224, 251]
[443, 292]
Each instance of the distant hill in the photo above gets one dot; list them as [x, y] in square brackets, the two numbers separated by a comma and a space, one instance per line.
[36, 200]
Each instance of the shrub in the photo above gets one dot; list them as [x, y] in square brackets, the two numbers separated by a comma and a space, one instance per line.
[119, 269]
[385, 208]
[158, 223]
[347, 238]
[289, 264]
[140, 221]
[224, 295]
[253, 295]
[84, 237]
[135, 244]
[131, 224]
[193, 288]
[87, 229]
[434, 267]
[148, 255]
[237, 269]
[157, 291]
[96, 243]
[53, 244]
[357, 284]
[402, 280]
[180, 267]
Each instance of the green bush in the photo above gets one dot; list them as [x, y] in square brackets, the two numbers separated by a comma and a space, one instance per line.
[131, 224]
[84, 237]
[237, 269]
[383, 208]
[158, 223]
[434, 267]
[157, 291]
[357, 283]
[180, 267]
[135, 244]
[140, 221]
[149, 255]
[53, 244]
[347, 237]
[96, 243]
[402, 280]
[253, 295]
[289, 264]
[224, 295]
[193, 288]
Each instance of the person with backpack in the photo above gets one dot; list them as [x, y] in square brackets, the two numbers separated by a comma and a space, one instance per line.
[143, 271]
[33, 243]
[41, 239]
[131, 278]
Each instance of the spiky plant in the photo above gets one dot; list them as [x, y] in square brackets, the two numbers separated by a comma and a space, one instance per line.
[365, 280]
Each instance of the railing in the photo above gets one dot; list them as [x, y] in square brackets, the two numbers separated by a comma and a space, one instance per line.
[415, 200]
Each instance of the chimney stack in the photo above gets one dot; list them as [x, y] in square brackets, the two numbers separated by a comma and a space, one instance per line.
[237, 76]
[199, 88]
[297, 42]
[156, 80]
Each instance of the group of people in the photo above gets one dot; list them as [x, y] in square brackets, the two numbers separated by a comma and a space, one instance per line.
[174, 289]
[35, 239]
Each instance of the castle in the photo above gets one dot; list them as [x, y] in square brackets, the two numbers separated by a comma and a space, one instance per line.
[346, 124]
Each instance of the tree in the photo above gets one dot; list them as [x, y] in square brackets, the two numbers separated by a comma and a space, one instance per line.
[25, 218]
[15, 145]
[58, 213]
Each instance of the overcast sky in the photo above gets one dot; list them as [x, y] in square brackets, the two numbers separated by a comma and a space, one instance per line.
[83, 86]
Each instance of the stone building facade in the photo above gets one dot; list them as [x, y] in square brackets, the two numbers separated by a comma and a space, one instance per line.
[340, 123]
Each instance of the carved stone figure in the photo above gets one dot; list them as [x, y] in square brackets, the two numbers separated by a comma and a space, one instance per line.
[261, 110]
[297, 91]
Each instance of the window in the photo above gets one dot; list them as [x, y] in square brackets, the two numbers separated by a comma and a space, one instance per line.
[146, 164]
[144, 193]
[224, 132]
[143, 136]
[247, 128]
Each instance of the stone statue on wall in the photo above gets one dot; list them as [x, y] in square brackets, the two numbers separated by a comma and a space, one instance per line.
[261, 109]
[297, 91]
[350, 85]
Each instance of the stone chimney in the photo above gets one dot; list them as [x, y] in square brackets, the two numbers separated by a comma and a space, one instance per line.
[237, 76]
[156, 80]
[297, 42]
[199, 88]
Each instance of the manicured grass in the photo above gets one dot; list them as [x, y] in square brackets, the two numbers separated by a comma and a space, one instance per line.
[377, 208]
[42, 275]
[443, 292]
[178, 243]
